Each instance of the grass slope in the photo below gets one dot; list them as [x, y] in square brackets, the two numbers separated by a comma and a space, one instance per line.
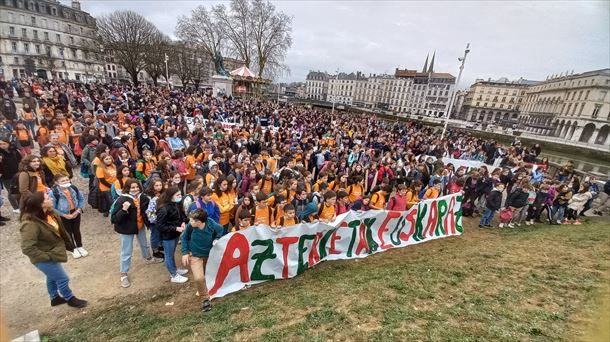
[527, 284]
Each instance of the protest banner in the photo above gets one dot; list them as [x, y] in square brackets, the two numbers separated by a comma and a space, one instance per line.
[261, 253]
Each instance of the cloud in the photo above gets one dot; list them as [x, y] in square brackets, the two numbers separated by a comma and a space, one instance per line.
[529, 39]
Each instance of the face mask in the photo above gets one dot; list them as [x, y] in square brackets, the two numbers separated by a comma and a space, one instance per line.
[177, 181]
[177, 199]
[67, 185]
[134, 193]
[145, 137]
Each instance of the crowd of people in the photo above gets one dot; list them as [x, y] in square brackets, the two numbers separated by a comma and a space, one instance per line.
[173, 167]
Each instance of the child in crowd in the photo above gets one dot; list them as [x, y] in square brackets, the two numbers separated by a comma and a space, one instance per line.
[492, 204]
[289, 218]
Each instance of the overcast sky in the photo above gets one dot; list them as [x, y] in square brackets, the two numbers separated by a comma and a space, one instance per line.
[529, 39]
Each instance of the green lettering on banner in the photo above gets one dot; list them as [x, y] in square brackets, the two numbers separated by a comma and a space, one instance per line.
[323, 242]
[458, 216]
[395, 235]
[442, 210]
[354, 225]
[260, 257]
[419, 223]
[303, 266]
[373, 245]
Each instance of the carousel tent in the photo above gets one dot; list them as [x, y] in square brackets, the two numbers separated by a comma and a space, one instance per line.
[244, 71]
[246, 83]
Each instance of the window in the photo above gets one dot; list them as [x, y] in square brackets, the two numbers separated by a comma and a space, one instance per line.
[596, 110]
[16, 60]
[61, 52]
[11, 31]
[14, 46]
[58, 38]
[44, 23]
[38, 49]
[579, 94]
[33, 19]
[46, 36]
[24, 33]
[71, 40]
[69, 28]
[53, 10]
[27, 47]
[35, 34]
[582, 106]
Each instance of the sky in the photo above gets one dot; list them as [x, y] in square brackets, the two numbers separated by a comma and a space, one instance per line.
[513, 39]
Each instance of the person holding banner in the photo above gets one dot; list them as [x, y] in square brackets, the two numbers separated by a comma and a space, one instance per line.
[199, 236]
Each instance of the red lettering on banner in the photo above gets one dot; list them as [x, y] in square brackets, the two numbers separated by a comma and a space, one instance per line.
[229, 261]
[286, 242]
[334, 238]
[384, 228]
[450, 217]
[314, 256]
[411, 217]
[362, 243]
[432, 217]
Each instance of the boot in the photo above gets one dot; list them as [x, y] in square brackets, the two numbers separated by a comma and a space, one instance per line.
[77, 303]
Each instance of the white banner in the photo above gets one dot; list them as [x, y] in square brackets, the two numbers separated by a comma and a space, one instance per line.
[261, 253]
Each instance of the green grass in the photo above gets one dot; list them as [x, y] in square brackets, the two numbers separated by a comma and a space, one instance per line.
[528, 284]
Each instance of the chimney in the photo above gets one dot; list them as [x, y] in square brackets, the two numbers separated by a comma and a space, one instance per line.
[76, 5]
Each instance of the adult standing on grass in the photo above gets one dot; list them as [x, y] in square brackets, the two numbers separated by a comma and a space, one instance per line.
[197, 241]
[171, 222]
[44, 240]
[129, 219]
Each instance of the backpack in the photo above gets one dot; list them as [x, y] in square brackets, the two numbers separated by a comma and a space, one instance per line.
[56, 191]
[295, 218]
[154, 174]
[112, 209]
[253, 212]
[422, 193]
[14, 186]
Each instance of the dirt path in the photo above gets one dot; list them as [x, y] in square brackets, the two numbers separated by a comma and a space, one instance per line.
[23, 295]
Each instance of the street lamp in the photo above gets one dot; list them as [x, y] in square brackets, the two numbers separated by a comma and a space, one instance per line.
[457, 82]
[167, 70]
[334, 96]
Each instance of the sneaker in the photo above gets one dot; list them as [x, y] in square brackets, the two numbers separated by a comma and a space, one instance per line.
[597, 212]
[16, 211]
[565, 221]
[518, 224]
[577, 222]
[77, 303]
[125, 281]
[82, 251]
[501, 225]
[158, 255]
[528, 223]
[58, 301]
[76, 254]
[511, 225]
[178, 279]
[488, 226]
[182, 271]
[153, 260]
[207, 305]
[480, 226]
[557, 222]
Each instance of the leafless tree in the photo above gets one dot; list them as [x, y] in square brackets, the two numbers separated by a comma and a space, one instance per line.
[182, 62]
[201, 30]
[130, 36]
[155, 57]
[236, 25]
[271, 33]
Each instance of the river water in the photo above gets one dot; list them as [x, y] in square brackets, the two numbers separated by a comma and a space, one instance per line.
[600, 168]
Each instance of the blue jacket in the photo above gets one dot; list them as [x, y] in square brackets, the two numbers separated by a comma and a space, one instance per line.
[60, 201]
[199, 241]
[211, 208]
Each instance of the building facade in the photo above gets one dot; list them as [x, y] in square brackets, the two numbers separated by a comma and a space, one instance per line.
[316, 85]
[495, 101]
[342, 88]
[573, 107]
[48, 39]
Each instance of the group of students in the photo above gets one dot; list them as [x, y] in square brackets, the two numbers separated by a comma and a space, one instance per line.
[168, 181]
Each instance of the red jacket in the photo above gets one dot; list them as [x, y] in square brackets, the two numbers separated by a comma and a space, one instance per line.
[397, 203]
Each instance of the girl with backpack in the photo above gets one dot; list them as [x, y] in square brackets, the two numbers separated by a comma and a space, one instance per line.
[154, 191]
[106, 174]
[69, 203]
[117, 186]
[171, 221]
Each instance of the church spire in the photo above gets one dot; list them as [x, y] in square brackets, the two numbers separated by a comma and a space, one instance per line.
[431, 69]
[426, 64]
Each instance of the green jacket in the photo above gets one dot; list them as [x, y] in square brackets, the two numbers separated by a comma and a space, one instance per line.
[199, 241]
[40, 242]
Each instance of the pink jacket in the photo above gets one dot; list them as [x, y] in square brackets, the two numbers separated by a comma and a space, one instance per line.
[397, 203]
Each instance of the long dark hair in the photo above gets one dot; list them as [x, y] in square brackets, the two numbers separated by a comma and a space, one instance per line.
[32, 207]
[217, 183]
[24, 164]
[166, 196]
[150, 190]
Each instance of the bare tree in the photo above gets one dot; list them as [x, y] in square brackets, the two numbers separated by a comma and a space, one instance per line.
[201, 30]
[130, 36]
[235, 23]
[155, 58]
[182, 59]
[271, 35]
[49, 62]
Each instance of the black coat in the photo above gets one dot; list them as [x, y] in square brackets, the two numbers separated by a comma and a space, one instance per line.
[10, 163]
[126, 222]
[494, 200]
[517, 199]
[169, 217]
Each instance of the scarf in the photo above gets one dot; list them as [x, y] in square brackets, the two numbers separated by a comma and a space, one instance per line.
[56, 164]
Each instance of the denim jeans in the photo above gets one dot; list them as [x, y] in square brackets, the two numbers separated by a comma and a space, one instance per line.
[558, 210]
[488, 215]
[31, 125]
[155, 237]
[169, 248]
[57, 279]
[127, 249]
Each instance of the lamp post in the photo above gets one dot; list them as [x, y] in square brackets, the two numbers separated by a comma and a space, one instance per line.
[334, 96]
[457, 82]
[167, 70]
